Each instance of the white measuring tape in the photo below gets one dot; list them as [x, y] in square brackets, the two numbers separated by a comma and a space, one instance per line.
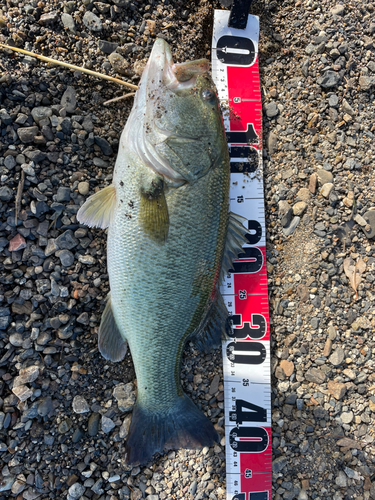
[246, 357]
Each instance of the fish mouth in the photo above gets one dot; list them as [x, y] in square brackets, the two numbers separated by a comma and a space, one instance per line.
[175, 76]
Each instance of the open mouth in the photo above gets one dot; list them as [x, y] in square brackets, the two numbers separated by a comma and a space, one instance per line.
[175, 76]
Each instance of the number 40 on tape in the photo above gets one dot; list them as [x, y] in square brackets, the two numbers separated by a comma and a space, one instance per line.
[246, 356]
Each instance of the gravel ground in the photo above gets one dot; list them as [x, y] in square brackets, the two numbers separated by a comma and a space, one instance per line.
[65, 411]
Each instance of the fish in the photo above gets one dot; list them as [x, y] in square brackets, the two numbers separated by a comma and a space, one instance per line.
[171, 239]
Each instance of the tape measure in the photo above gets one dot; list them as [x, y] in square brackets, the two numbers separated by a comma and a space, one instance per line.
[246, 356]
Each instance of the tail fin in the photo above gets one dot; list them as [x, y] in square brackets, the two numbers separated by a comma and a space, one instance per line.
[182, 426]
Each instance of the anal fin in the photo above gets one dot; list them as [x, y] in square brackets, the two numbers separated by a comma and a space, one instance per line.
[214, 327]
[98, 209]
[111, 343]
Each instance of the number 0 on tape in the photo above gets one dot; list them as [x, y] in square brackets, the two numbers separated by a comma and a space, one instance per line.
[246, 356]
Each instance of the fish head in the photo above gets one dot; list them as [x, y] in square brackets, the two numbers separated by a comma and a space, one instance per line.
[182, 133]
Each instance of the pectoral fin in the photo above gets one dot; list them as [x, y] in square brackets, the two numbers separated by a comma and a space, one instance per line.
[153, 211]
[97, 211]
[111, 343]
[235, 241]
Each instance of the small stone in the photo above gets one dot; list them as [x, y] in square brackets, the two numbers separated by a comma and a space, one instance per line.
[107, 47]
[17, 243]
[118, 63]
[107, 424]
[64, 426]
[369, 229]
[22, 392]
[45, 406]
[332, 332]
[92, 22]
[327, 348]
[76, 491]
[6, 483]
[313, 182]
[69, 100]
[271, 109]
[66, 257]
[292, 226]
[214, 387]
[27, 134]
[285, 213]
[341, 480]
[83, 188]
[337, 357]
[336, 389]
[349, 443]
[326, 189]
[6, 194]
[48, 18]
[66, 240]
[104, 145]
[10, 162]
[63, 194]
[287, 366]
[93, 424]
[329, 79]
[366, 82]
[299, 208]
[86, 259]
[124, 429]
[324, 176]
[315, 375]
[272, 143]
[360, 220]
[347, 417]
[41, 113]
[278, 464]
[304, 194]
[68, 22]
[347, 108]
[80, 405]
[338, 10]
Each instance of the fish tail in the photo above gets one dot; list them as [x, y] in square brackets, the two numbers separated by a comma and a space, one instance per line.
[181, 426]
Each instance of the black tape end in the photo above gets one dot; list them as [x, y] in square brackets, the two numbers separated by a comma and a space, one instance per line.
[239, 13]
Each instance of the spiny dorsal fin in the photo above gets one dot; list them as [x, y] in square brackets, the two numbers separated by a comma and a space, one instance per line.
[111, 343]
[235, 240]
[98, 209]
[153, 211]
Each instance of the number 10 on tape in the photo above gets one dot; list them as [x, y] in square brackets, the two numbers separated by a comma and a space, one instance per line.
[246, 356]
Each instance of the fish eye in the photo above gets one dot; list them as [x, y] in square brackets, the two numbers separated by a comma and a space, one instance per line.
[207, 94]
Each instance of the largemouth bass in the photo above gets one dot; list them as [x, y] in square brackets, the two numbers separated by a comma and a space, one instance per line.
[170, 239]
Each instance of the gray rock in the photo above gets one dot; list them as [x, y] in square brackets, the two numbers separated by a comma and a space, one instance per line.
[6, 194]
[305, 67]
[5, 117]
[68, 22]
[27, 134]
[366, 82]
[64, 426]
[278, 464]
[368, 230]
[288, 230]
[45, 406]
[285, 212]
[329, 79]
[67, 240]
[271, 110]
[10, 162]
[118, 63]
[69, 100]
[92, 22]
[80, 405]
[76, 491]
[41, 113]
[63, 194]
[314, 323]
[347, 417]
[272, 143]
[324, 176]
[66, 257]
[315, 375]
[337, 357]
[104, 145]
[338, 10]
[107, 47]
[107, 424]
[93, 424]
[347, 108]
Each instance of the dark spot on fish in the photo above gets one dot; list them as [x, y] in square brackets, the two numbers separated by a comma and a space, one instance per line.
[131, 204]
[122, 201]
[145, 388]
[128, 216]
[121, 183]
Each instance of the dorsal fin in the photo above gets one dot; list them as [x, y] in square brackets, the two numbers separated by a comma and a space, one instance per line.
[97, 211]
